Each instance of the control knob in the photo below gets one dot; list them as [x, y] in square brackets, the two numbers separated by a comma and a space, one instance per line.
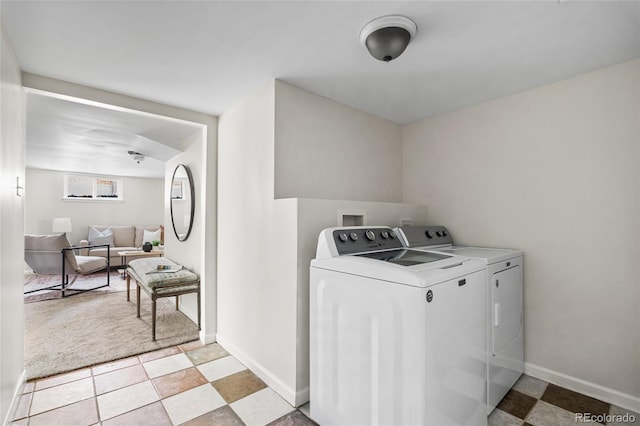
[370, 235]
[439, 234]
[429, 234]
[343, 237]
[384, 234]
[353, 236]
[392, 234]
[444, 232]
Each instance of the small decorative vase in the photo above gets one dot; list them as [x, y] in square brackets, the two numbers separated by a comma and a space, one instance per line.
[146, 247]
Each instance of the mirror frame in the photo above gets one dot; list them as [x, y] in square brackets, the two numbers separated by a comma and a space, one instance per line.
[193, 201]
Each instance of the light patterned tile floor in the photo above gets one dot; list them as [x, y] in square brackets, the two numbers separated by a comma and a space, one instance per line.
[219, 368]
[193, 403]
[172, 363]
[194, 384]
[261, 407]
[123, 400]
[190, 384]
[535, 402]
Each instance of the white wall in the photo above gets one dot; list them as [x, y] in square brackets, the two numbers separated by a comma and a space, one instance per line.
[188, 252]
[267, 242]
[143, 205]
[257, 263]
[325, 149]
[12, 147]
[553, 171]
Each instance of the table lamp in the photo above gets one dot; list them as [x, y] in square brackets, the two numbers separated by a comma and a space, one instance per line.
[61, 224]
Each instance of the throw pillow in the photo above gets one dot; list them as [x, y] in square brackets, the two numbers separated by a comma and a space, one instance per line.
[151, 236]
[100, 237]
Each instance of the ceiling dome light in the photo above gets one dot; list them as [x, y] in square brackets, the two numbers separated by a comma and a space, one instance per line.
[137, 157]
[388, 36]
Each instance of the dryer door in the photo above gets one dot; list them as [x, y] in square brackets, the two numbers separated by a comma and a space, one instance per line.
[506, 312]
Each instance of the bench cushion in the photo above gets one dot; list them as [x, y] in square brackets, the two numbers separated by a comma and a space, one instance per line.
[146, 272]
[187, 288]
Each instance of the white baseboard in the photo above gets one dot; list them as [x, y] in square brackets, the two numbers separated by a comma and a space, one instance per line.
[612, 396]
[17, 393]
[272, 381]
[192, 314]
[302, 396]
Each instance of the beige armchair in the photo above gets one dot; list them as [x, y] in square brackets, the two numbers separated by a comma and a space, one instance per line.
[54, 255]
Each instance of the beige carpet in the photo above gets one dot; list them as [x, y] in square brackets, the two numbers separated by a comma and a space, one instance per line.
[35, 282]
[66, 334]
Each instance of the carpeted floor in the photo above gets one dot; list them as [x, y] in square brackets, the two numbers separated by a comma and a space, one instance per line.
[66, 334]
[35, 282]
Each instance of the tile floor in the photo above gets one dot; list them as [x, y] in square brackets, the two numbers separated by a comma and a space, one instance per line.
[194, 384]
[536, 402]
[189, 384]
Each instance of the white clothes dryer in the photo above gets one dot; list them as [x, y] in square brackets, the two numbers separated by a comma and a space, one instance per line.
[397, 336]
[505, 332]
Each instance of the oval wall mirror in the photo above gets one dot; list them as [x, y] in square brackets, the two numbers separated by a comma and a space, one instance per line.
[182, 202]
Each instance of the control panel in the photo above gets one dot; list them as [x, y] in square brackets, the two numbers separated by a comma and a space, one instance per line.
[362, 239]
[421, 236]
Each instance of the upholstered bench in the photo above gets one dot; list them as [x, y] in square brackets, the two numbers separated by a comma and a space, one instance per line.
[158, 283]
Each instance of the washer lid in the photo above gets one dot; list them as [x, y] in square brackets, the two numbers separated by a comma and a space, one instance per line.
[489, 255]
[406, 257]
[414, 272]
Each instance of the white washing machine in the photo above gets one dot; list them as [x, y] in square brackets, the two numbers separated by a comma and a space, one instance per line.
[505, 333]
[397, 335]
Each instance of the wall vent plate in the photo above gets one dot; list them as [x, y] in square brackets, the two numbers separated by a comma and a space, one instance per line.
[352, 217]
[406, 221]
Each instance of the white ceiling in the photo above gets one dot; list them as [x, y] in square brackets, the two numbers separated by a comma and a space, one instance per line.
[69, 135]
[207, 55]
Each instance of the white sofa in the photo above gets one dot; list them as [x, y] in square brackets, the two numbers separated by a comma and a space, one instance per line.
[125, 237]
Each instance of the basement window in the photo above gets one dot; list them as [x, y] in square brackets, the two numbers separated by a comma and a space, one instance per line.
[92, 188]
